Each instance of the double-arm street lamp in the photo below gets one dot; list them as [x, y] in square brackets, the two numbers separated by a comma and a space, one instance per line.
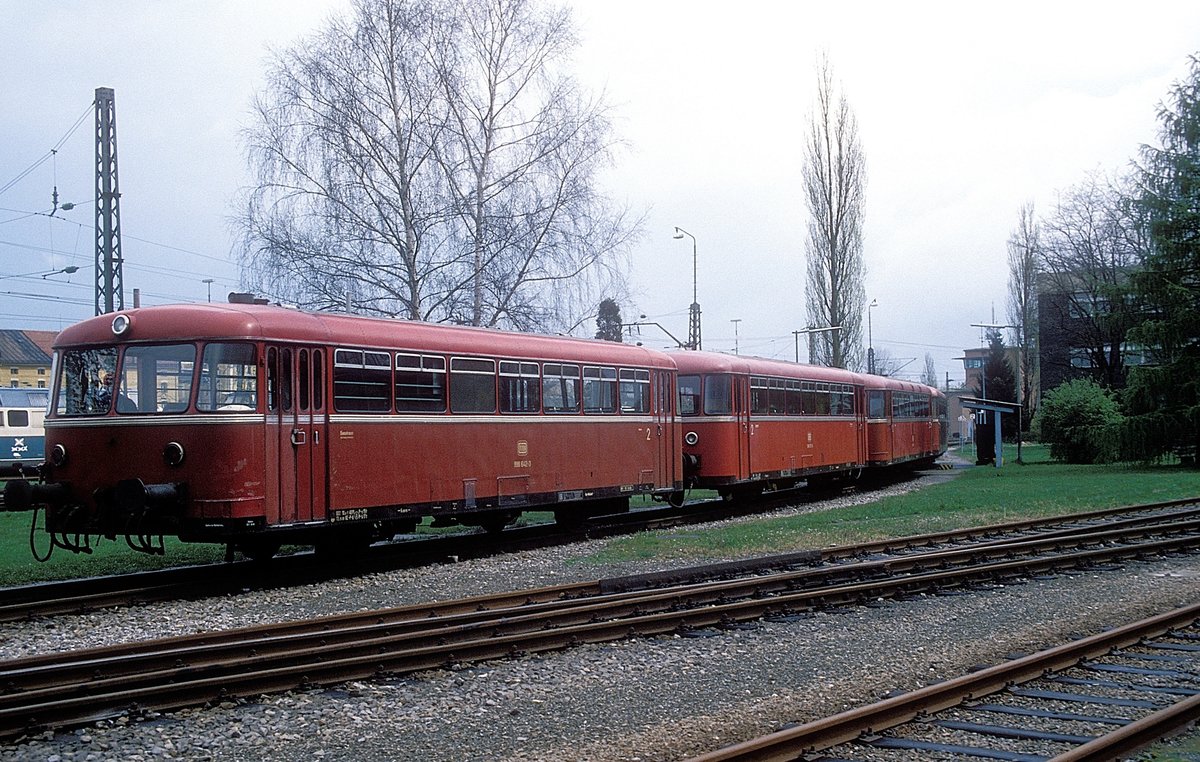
[694, 310]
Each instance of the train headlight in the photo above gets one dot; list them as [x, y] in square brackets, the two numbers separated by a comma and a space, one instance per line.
[58, 455]
[173, 454]
[121, 325]
[691, 438]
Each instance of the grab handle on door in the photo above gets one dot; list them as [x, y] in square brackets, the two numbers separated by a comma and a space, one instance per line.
[298, 437]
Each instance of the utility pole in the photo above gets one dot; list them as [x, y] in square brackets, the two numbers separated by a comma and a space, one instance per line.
[110, 291]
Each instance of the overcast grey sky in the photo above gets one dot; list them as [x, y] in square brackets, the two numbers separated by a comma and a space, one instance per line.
[966, 112]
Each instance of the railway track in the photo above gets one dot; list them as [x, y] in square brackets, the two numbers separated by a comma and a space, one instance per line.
[1092, 699]
[76, 596]
[82, 686]
[208, 580]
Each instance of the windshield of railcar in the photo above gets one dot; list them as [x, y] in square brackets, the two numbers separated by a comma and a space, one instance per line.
[151, 379]
[718, 395]
[85, 381]
[689, 395]
[228, 379]
[712, 397]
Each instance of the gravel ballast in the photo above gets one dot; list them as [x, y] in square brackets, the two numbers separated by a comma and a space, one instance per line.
[659, 698]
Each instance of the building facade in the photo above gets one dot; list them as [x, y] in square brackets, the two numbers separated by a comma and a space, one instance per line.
[25, 358]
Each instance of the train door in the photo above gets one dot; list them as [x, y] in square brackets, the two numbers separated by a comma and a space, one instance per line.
[745, 429]
[296, 402]
[861, 416]
[664, 419]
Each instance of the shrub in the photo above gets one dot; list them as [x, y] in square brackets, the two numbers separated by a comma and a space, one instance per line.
[1080, 422]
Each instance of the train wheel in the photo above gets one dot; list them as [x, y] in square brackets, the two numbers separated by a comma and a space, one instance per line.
[495, 522]
[343, 547]
[570, 518]
[259, 549]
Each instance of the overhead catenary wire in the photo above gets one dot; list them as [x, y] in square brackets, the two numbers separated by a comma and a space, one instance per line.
[49, 154]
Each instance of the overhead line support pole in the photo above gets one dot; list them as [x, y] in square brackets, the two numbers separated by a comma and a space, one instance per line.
[110, 290]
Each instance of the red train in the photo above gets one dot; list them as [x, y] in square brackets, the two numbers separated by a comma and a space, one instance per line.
[750, 423]
[254, 425]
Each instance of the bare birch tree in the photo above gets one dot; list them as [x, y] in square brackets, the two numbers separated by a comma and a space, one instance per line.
[429, 159]
[522, 147]
[1024, 258]
[834, 178]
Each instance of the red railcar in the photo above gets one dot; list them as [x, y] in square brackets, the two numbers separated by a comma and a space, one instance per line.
[253, 425]
[749, 422]
[906, 422]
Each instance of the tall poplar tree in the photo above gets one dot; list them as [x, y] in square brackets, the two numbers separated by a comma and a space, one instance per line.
[834, 179]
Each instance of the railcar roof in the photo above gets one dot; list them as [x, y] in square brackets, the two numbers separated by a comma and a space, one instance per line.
[268, 322]
[713, 362]
[897, 384]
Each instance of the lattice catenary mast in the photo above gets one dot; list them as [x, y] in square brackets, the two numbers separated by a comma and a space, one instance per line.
[110, 293]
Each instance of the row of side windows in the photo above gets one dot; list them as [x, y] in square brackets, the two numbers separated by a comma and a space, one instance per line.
[367, 381]
[785, 396]
[910, 405]
[904, 405]
[768, 396]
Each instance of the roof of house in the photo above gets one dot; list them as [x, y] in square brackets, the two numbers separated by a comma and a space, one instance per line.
[44, 340]
[17, 348]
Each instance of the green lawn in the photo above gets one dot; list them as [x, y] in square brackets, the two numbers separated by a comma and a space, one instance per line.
[978, 495]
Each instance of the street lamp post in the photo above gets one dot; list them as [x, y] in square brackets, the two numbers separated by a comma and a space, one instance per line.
[208, 282]
[870, 343]
[694, 310]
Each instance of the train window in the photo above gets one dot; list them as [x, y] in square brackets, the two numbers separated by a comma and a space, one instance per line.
[599, 390]
[718, 395]
[304, 380]
[520, 387]
[362, 381]
[760, 396]
[689, 394]
[635, 391]
[272, 380]
[420, 384]
[285, 379]
[841, 399]
[318, 380]
[560, 388]
[18, 419]
[472, 386]
[792, 398]
[156, 378]
[875, 404]
[228, 378]
[776, 396]
[815, 398]
[81, 383]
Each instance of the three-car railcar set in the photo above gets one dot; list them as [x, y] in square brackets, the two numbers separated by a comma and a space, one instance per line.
[254, 425]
